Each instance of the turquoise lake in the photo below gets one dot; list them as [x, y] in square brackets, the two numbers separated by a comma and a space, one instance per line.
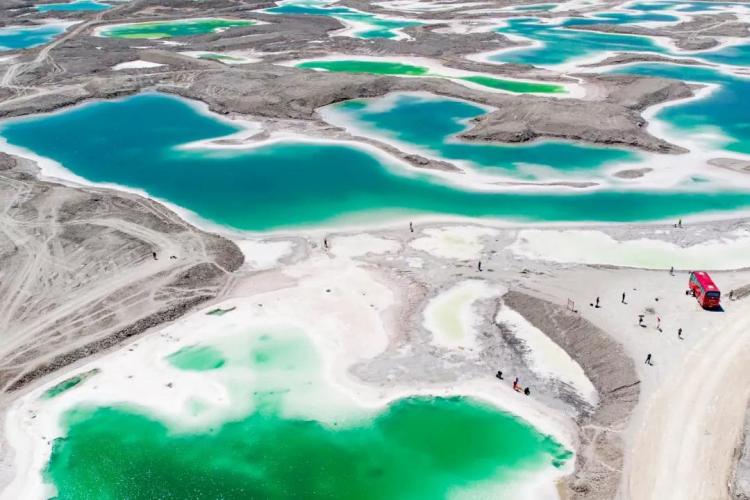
[559, 44]
[134, 142]
[22, 37]
[691, 7]
[78, 5]
[378, 27]
[404, 121]
[719, 110]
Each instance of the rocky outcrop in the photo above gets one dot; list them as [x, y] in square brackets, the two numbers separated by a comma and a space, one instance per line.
[600, 455]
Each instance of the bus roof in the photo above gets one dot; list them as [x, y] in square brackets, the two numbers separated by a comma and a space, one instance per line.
[705, 281]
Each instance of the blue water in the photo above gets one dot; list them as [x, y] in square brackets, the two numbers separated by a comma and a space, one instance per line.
[683, 6]
[78, 5]
[735, 55]
[559, 44]
[722, 109]
[405, 122]
[17, 37]
[379, 27]
[133, 142]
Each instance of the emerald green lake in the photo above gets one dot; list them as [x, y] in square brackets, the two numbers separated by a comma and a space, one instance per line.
[419, 448]
[134, 142]
[169, 29]
[413, 448]
[401, 69]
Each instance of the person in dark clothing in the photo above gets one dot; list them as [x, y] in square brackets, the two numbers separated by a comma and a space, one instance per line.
[479, 265]
[597, 302]
[623, 297]
[154, 253]
[648, 359]
[527, 391]
[411, 227]
[499, 375]
[679, 333]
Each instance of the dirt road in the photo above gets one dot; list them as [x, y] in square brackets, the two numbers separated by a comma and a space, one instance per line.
[691, 425]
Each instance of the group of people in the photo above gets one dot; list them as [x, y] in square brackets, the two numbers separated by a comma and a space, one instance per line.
[597, 304]
[516, 385]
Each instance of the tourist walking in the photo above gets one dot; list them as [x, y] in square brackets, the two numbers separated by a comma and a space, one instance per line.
[597, 302]
[623, 297]
[411, 227]
[479, 265]
[648, 359]
[679, 333]
[658, 323]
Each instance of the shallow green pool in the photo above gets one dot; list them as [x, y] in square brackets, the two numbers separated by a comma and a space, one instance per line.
[401, 69]
[169, 29]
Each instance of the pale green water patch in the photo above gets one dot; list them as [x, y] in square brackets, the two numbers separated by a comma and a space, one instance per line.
[68, 383]
[176, 28]
[197, 358]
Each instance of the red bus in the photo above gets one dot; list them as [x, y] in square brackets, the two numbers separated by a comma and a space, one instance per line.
[704, 289]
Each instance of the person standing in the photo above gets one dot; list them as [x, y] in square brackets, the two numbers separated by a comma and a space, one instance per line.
[679, 333]
[623, 297]
[411, 227]
[648, 359]
[597, 302]
[479, 266]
